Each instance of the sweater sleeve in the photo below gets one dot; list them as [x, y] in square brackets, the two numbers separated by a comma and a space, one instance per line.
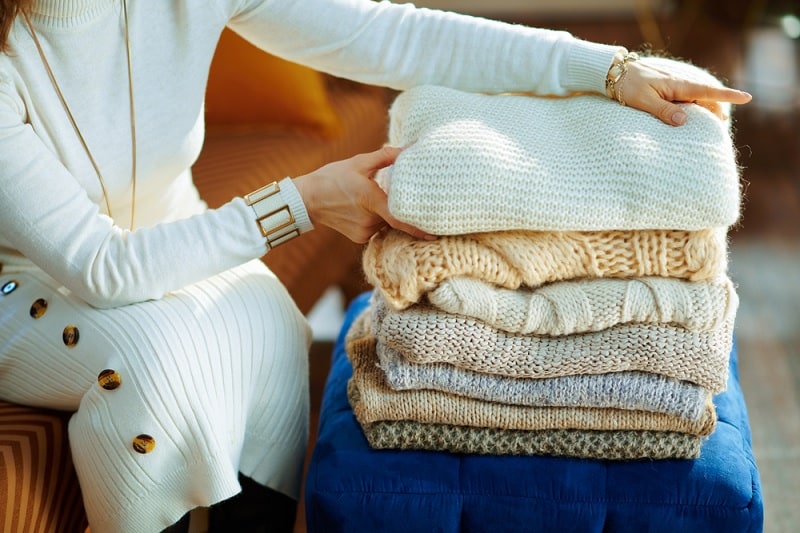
[47, 216]
[401, 46]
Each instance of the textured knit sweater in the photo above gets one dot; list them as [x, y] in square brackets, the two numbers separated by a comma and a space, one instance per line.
[479, 163]
[373, 400]
[424, 334]
[404, 268]
[579, 306]
[52, 212]
[610, 445]
[620, 390]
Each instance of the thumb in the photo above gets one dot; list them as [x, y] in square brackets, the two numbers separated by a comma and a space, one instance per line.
[671, 113]
[380, 158]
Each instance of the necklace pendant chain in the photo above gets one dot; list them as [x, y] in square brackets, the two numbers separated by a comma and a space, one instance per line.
[71, 117]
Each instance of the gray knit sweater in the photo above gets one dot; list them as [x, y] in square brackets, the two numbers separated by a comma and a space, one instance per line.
[377, 401]
[620, 390]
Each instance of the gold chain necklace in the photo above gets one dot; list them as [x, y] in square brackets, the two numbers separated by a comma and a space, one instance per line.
[75, 124]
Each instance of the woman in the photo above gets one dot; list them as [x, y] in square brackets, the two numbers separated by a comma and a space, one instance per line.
[126, 300]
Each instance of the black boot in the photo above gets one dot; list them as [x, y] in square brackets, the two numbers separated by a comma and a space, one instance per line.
[257, 509]
[181, 526]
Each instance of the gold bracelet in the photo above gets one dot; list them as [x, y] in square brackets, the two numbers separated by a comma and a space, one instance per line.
[617, 73]
[274, 217]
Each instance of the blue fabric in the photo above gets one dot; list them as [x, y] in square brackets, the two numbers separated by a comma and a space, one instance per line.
[351, 487]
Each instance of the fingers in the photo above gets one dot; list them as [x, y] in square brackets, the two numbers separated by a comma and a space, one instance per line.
[379, 204]
[655, 104]
[691, 91]
[660, 93]
[411, 230]
[371, 162]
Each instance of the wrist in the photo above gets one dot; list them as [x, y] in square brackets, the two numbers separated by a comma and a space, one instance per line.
[617, 72]
[279, 212]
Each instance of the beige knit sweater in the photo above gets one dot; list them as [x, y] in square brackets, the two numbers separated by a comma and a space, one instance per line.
[404, 268]
[579, 306]
[373, 400]
[424, 334]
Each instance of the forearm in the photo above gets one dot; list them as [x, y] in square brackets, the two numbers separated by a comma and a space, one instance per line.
[400, 46]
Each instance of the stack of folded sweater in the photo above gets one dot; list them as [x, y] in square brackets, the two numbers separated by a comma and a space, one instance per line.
[576, 302]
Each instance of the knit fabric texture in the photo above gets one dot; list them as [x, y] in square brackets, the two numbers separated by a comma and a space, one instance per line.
[478, 163]
[620, 390]
[404, 268]
[609, 445]
[579, 306]
[424, 334]
[372, 400]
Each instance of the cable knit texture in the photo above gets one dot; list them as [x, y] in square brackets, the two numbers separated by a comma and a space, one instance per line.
[479, 163]
[619, 390]
[609, 445]
[424, 334]
[373, 400]
[565, 307]
[405, 268]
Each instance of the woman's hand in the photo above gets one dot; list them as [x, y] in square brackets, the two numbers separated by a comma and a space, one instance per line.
[658, 92]
[344, 196]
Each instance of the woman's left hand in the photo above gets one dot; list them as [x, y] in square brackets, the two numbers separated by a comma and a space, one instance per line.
[657, 92]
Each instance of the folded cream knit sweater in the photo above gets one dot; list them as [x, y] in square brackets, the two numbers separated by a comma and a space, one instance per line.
[424, 334]
[566, 307]
[373, 400]
[478, 163]
[404, 268]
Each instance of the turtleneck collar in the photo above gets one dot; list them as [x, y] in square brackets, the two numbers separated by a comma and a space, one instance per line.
[67, 13]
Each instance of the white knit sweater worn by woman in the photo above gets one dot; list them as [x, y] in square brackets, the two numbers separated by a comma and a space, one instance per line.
[182, 355]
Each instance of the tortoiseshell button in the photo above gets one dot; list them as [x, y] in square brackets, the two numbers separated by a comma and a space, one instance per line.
[9, 287]
[70, 336]
[38, 308]
[109, 379]
[144, 443]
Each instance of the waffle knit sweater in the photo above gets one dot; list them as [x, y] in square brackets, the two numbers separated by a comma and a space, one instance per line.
[620, 390]
[404, 268]
[424, 334]
[478, 163]
[608, 445]
[566, 307]
[373, 400]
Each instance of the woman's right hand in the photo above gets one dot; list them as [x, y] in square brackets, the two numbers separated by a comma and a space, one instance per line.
[344, 196]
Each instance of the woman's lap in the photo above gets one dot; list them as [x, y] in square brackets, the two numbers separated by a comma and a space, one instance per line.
[216, 374]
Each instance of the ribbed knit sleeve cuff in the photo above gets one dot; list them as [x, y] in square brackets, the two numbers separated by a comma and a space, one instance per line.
[291, 196]
[587, 66]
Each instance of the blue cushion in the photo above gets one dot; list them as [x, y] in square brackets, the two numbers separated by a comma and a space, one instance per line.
[351, 487]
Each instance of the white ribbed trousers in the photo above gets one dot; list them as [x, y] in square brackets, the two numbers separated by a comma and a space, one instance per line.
[206, 382]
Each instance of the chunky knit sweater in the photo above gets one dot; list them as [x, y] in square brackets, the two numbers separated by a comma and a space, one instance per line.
[610, 445]
[424, 334]
[404, 268]
[620, 390]
[375, 401]
[481, 163]
[566, 307]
